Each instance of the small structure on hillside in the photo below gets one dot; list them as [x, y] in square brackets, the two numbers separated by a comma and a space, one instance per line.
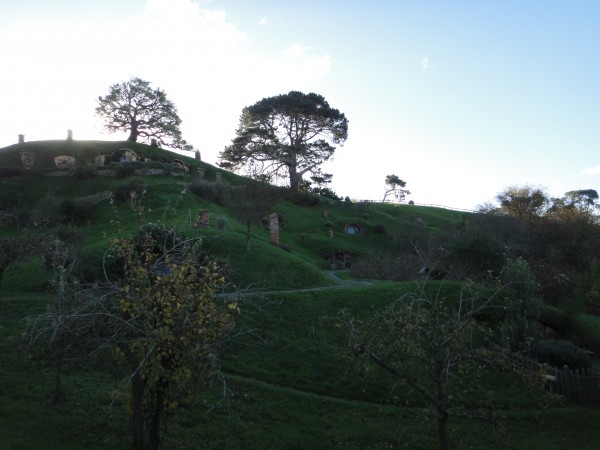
[203, 220]
[124, 155]
[69, 135]
[338, 259]
[274, 228]
[353, 228]
[64, 161]
[27, 159]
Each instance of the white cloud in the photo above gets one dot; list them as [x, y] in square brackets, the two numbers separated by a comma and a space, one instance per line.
[592, 170]
[305, 62]
[53, 74]
[264, 20]
[425, 63]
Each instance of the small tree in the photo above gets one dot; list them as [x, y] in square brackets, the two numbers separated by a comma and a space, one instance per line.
[159, 314]
[584, 199]
[134, 107]
[167, 326]
[289, 135]
[394, 185]
[251, 201]
[525, 203]
[435, 346]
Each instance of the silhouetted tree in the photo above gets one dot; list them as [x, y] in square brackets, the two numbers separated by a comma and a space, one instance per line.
[289, 135]
[144, 112]
[523, 202]
[394, 185]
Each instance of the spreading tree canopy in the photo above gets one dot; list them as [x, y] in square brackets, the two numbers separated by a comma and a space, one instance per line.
[394, 185]
[288, 135]
[134, 107]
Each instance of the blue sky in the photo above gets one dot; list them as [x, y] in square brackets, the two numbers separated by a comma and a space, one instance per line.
[459, 98]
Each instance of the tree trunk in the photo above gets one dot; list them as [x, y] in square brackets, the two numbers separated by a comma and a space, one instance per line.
[440, 405]
[155, 422]
[137, 412]
[294, 178]
[442, 427]
[133, 132]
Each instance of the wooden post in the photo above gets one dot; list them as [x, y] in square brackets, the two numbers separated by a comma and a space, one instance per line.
[274, 228]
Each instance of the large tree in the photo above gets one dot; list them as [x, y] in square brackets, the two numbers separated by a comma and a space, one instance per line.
[288, 135]
[135, 107]
[526, 203]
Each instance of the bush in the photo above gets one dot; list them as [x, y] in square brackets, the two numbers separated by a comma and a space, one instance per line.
[124, 170]
[122, 193]
[223, 192]
[83, 173]
[559, 353]
[402, 267]
[74, 212]
[222, 222]
[162, 237]
[47, 212]
[204, 189]
[379, 229]
[6, 172]
[303, 198]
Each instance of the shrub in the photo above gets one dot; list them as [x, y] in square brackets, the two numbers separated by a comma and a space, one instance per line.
[559, 353]
[381, 267]
[124, 170]
[83, 173]
[47, 211]
[303, 198]
[223, 192]
[379, 229]
[6, 172]
[122, 193]
[163, 237]
[74, 212]
[222, 222]
[204, 189]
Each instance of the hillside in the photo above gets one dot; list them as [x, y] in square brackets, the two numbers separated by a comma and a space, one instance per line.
[305, 222]
[288, 377]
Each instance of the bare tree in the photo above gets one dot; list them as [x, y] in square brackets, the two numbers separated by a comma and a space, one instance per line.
[430, 344]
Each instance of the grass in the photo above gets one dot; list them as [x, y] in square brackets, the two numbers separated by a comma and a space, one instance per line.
[291, 381]
[296, 391]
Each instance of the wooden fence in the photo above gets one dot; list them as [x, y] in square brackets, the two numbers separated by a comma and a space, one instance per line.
[580, 385]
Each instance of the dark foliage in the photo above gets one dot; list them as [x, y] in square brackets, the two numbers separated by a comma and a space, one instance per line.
[379, 229]
[124, 192]
[74, 212]
[6, 172]
[204, 189]
[83, 173]
[124, 170]
[560, 353]
[303, 198]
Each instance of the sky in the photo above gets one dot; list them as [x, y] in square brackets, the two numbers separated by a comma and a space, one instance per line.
[459, 98]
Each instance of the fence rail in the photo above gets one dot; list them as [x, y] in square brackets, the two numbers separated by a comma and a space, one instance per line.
[580, 385]
[431, 205]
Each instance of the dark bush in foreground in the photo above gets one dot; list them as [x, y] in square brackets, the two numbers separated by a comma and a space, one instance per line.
[559, 353]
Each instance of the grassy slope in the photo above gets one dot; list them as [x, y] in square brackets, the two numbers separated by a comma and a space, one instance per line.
[295, 389]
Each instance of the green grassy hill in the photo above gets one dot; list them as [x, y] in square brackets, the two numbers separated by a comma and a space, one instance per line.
[289, 379]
